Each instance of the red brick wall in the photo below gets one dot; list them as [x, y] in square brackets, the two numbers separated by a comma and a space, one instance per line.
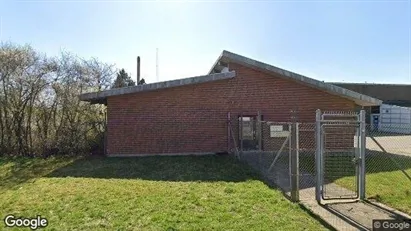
[193, 118]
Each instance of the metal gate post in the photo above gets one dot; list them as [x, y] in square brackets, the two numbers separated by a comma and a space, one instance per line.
[362, 147]
[105, 133]
[241, 136]
[228, 132]
[318, 155]
[294, 163]
[259, 131]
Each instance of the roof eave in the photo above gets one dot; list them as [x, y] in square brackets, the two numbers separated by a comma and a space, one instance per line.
[96, 97]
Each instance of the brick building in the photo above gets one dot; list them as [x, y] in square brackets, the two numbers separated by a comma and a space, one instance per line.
[189, 116]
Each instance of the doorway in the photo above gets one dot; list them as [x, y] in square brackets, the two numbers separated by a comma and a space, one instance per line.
[247, 134]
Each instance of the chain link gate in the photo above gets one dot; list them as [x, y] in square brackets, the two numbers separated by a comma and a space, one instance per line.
[273, 148]
[340, 143]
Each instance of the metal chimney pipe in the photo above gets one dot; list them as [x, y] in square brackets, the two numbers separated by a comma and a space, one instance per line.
[138, 70]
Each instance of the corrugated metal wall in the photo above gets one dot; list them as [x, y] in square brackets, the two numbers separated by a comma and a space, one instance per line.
[395, 119]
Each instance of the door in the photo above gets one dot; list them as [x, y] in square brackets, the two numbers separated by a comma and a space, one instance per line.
[340, 155]
[247, 127]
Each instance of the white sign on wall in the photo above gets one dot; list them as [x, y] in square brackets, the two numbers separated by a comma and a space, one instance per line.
[278, 131]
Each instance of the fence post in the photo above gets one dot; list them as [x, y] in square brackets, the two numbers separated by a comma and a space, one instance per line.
[318, 155]
[290, 149]
[241, 136]
[259, 131]
[294, 160]
[105, 133]
[294, 164]
[362, 154]
[228, 132]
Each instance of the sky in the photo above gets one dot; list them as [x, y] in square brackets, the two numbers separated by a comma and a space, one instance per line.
[338, 41]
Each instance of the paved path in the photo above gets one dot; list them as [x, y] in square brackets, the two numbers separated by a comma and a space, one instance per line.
[399, 145]
[345, 214]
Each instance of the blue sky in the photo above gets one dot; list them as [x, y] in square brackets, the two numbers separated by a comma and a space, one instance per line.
[351, 41]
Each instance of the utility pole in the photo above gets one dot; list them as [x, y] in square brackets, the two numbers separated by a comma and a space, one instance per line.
[157, 74]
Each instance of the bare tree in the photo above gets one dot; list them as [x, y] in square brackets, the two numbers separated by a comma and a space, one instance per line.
[40, 112]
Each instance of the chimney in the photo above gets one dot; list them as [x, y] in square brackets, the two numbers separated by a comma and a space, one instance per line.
[138, 70]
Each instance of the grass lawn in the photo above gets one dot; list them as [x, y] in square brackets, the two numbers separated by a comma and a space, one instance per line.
[150, 193]
[385, 182]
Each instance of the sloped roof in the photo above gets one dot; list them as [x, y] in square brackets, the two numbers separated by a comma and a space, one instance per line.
[219, 72]
[100, 97]
[226, 57]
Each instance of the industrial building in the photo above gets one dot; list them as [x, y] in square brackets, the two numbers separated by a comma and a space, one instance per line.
[193, 115]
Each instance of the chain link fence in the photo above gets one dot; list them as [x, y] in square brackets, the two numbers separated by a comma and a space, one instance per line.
[307, 149]
[272, 159]
[387, 160]
[388, 166]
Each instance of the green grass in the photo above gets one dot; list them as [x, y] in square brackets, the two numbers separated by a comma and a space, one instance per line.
[151, 193]
[385, 182]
